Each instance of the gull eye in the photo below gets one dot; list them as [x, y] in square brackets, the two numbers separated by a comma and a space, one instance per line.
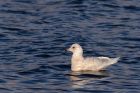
[73, 47]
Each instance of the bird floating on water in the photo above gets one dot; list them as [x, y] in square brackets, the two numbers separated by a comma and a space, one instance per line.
[79, 63]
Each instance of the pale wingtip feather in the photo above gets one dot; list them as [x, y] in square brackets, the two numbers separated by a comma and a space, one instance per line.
[116, 59]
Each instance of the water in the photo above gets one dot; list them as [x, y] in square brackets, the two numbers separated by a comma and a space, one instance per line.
[35, 33]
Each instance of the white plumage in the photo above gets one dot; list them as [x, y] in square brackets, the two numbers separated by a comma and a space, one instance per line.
[79, 63]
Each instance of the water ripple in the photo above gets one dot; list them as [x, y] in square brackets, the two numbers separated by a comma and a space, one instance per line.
[36, 33]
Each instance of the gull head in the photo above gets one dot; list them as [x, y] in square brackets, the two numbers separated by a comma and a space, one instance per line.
[75, 49]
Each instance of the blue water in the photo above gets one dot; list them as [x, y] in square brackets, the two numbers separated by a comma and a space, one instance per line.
[34, 36]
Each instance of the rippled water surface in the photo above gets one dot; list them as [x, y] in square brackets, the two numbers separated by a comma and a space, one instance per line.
[34, 35]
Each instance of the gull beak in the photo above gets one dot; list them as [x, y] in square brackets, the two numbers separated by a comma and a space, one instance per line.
[68, 49]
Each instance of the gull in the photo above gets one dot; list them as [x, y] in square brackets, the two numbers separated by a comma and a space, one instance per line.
[80, 63]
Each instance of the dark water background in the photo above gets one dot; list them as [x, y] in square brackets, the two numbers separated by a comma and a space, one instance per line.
[35, 33]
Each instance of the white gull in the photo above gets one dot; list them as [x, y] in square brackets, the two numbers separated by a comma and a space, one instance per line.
[79, 63]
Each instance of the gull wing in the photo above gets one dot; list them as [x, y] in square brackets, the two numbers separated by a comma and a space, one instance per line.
[103, 62]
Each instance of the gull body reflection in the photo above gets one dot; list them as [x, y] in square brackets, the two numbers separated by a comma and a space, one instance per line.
[82, 78]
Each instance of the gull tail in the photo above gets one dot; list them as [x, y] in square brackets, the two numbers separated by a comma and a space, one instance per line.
[115, 60]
